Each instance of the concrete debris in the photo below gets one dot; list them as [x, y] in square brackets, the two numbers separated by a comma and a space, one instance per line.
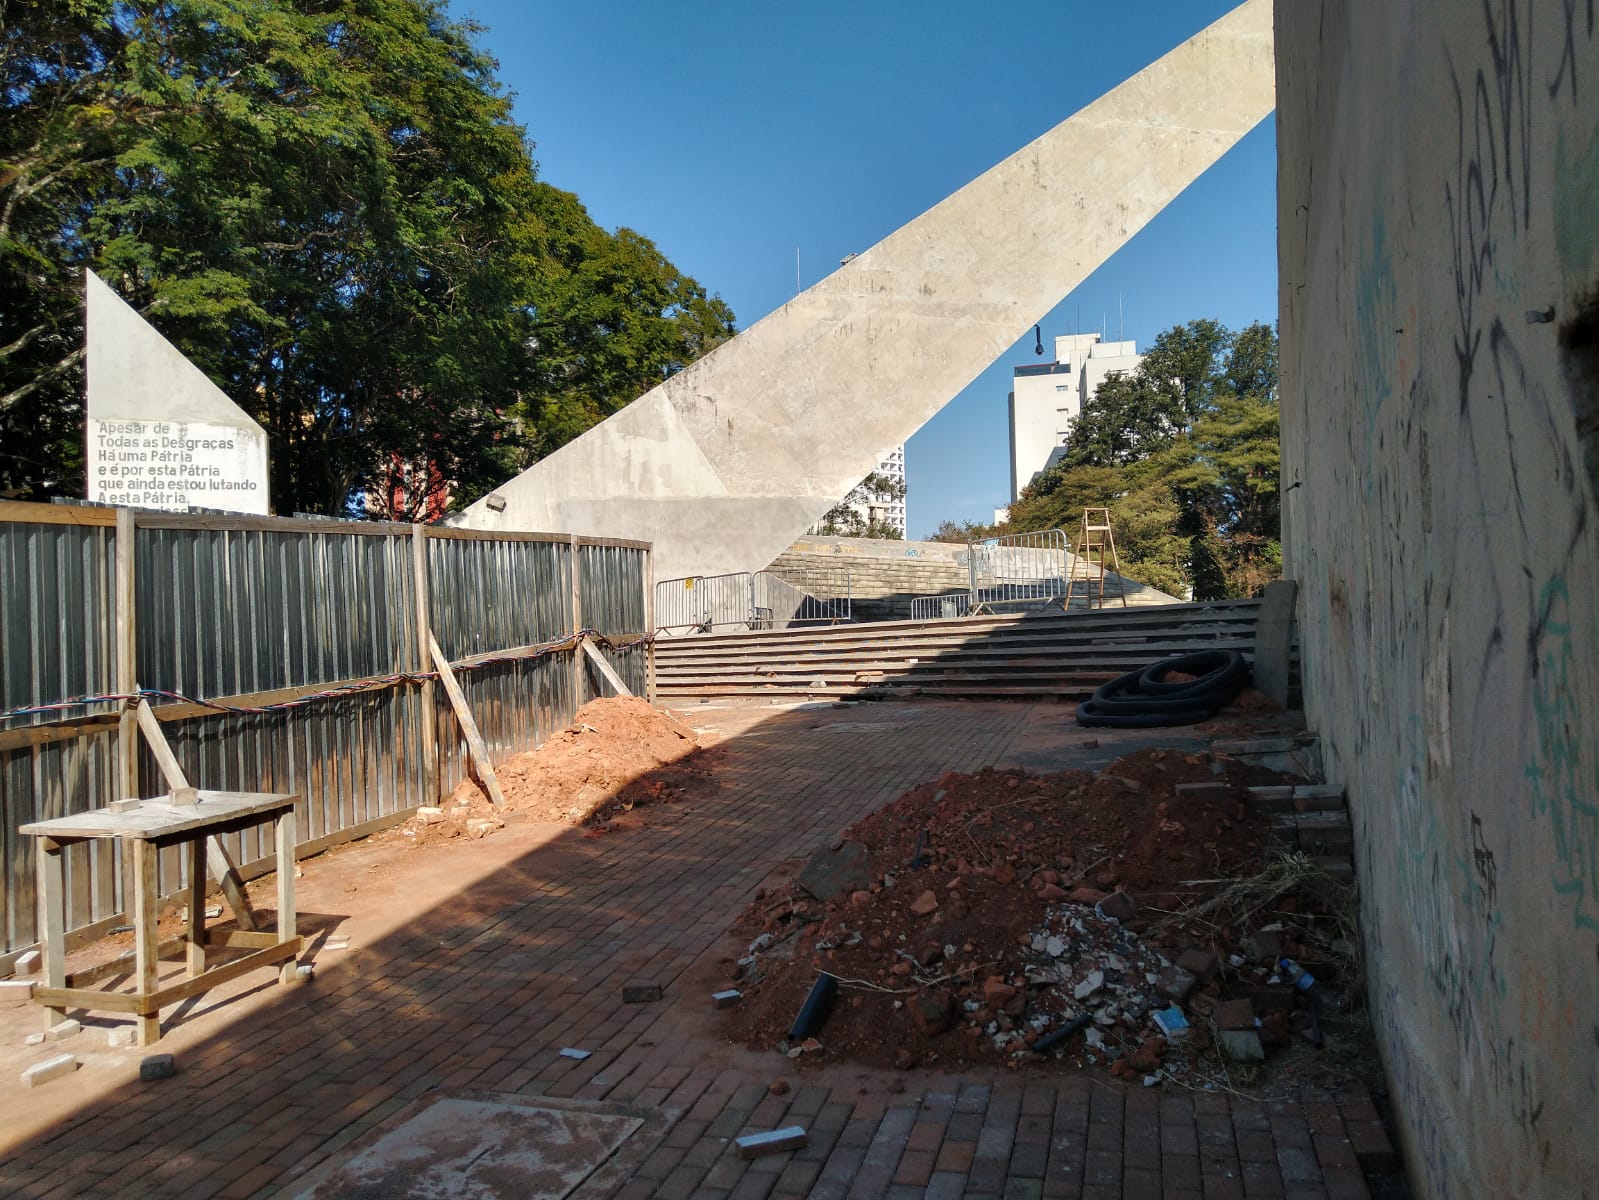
[754, 1145]
[33, 1039]
[120, 1038]
[1241, 1045]
[50, 1068]
[157, 1066]
[574, 1052]
[834, 871]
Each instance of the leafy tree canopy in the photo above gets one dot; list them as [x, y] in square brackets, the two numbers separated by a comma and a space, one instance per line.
[1184, 452]
[330, 209]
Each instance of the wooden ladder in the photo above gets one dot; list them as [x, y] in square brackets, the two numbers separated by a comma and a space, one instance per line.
[1096, 550]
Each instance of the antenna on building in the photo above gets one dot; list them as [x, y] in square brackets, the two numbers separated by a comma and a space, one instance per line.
[1121, 319]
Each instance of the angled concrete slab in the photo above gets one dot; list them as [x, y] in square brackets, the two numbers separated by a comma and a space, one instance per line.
[159, 433]
[480, 1146]
[724, 464]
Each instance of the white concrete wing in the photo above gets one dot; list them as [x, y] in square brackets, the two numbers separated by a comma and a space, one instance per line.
[724, 464]
[159, 433]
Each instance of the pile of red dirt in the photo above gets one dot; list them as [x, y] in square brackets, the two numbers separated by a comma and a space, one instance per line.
[621, 752]
[976, 913]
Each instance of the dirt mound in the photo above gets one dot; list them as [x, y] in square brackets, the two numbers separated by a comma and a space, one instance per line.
[620, 753]
[994, 907]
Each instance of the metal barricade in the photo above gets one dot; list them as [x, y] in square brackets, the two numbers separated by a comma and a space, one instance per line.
[703, 603]
[815, 598]
[941, 606]
[1020, 569]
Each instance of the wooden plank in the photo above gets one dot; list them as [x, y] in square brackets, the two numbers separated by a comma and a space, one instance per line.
[463, 714]
[649, 624]
[218, 975]
[283, 829]
[159, 819]
[59, 731]
[90, 998]
[227, 877]
[424, 625]
[238, 939]
[501, 535]
[21, 512]
[52, 917]
[146, 957]
[195, 940]
[603, 663]
[574, 555]
[122, 964]
[127, 665]
[182, 795]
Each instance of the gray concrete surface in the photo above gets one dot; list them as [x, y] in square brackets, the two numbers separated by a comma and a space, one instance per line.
[1439, 250]
[159, 433]
[728, 461]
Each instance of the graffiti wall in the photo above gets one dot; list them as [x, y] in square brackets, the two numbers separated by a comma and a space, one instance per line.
[1439, 251]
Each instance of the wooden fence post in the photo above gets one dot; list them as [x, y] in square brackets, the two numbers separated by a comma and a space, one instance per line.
[649, 624]
[424, 662]
[578, 670]
[127, 660]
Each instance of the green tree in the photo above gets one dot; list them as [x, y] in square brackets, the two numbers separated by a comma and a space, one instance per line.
[329, 208]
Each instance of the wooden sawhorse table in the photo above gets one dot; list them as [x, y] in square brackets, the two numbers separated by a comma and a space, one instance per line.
[146, 830]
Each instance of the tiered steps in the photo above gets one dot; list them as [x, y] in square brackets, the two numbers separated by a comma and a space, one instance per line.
[1015, 655]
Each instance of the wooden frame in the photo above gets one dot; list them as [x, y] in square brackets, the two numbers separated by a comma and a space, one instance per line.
[143, 832]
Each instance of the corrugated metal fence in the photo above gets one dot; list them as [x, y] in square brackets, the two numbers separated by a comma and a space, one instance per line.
[255, 612]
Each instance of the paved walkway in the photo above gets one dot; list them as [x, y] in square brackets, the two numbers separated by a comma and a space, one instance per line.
[526, 952]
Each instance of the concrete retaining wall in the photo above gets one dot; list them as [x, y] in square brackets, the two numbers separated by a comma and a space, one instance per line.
[1439, 239]
[884, 575]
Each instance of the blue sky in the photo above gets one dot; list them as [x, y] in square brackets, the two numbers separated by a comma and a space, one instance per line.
[733, 134]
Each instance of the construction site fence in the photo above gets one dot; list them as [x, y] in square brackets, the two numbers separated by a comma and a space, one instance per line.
[1019, 569]
[946, 605]
[281, 655]
[696, 604]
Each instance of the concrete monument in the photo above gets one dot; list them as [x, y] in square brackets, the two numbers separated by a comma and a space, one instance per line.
[724, 464]
[159, 433]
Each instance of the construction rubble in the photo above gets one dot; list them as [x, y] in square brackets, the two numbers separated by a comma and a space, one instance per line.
[1158, 920]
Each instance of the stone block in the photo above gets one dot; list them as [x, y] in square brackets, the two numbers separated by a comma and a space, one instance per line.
[831, 872]
[754, 1145]
[1241, 1045]
[50, 1068]
[156, 1066]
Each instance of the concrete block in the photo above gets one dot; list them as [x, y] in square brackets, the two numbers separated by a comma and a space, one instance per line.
[26, 963]
[428, 815]
[1200, 963]
[127, 805]
[754, 1145]
[16, 989]
[120, 1038]
[1241, 1045]
[641, 993]
[726, 999]
[62, 1030]
[156, 1066]
[33, 1039]
[1175, 983]
[50, 1068]
[574, 1052]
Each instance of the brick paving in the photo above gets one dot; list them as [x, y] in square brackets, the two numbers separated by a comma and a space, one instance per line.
[483, 993]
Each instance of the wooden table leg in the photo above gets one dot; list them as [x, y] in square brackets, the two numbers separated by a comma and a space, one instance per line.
[195, 853]
[146, 935]
[52, 922]
[284, 826]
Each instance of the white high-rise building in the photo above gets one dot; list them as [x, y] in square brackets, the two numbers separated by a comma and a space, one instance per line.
[1046, 397]
[872, 507]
